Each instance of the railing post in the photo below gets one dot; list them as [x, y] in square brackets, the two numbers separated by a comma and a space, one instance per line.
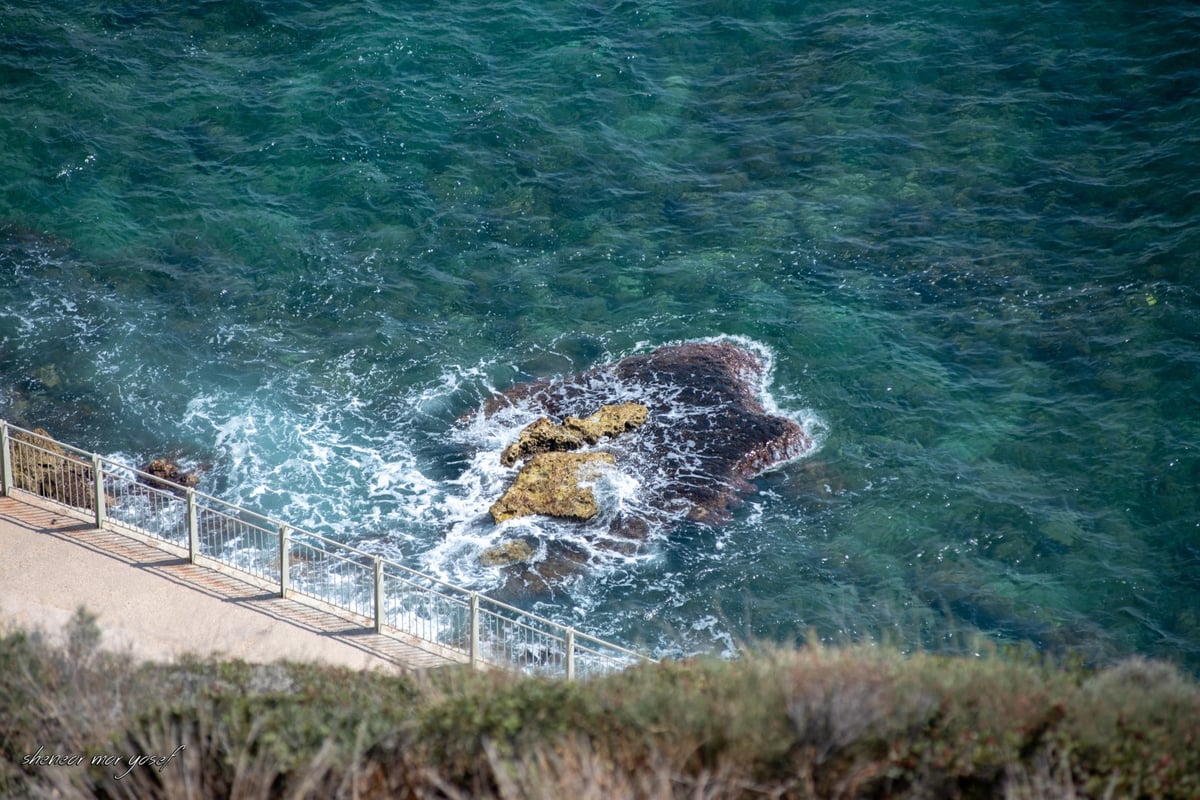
[570, 645]
[98, 488]
[6, 472]
[378, 594]
[193, 526]
[473, 645]
[283, 561]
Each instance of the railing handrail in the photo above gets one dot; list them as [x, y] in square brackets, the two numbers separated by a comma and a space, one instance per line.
[429, 585]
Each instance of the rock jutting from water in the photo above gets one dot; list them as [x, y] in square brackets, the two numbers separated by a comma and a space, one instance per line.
[694, 430]
[511, 551]
[545, 435]
[42, 466]
[553, 484]
[166, 475]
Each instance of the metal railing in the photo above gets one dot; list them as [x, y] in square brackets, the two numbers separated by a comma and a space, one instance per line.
[394, 598]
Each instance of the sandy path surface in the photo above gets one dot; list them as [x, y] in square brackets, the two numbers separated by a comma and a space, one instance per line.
[157, 606]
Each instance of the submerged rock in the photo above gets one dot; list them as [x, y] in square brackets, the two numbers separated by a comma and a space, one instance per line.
[553, 484]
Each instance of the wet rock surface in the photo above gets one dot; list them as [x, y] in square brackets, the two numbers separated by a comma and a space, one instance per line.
[41, 466]
[168, 476]
[506, 553]
[706, 432]
[691, 433]
[555, 485]
[545, 435]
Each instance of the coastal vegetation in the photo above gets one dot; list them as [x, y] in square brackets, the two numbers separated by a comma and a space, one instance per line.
[77, 720]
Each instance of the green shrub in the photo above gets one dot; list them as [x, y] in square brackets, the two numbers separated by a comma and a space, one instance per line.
[465, 714]
[977, 717]
[20, 656]
[1134, 731]
[862, 722]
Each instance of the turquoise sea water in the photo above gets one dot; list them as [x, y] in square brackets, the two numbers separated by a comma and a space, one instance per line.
[299, 243]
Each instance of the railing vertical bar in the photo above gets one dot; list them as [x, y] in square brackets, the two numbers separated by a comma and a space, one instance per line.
[379, 607]
[473, 644]
[193, 527]
[98, 490]
[6, 470]
[570, 646]
[283, 561]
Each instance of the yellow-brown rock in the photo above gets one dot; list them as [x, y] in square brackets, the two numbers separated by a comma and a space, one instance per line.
[546, 436]
[168, 476]
[608, 421]
[513, 551]
[550, 484]
[41, 466]
[542, 436]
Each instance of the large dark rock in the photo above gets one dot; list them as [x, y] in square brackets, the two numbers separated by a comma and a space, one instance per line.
[693, 434]
[706, 432]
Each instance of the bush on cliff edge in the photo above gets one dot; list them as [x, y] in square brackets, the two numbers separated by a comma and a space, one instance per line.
[815, 722]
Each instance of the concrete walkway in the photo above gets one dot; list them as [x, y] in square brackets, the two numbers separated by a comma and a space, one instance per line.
[157, 606]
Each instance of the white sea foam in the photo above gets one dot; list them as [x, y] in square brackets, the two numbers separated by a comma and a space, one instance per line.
[417, 487]
[629, 490]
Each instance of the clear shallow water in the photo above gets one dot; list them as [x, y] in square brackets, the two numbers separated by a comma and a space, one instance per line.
[299, 244]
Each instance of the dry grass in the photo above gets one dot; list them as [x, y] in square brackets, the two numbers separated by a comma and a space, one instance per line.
[857, 722]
